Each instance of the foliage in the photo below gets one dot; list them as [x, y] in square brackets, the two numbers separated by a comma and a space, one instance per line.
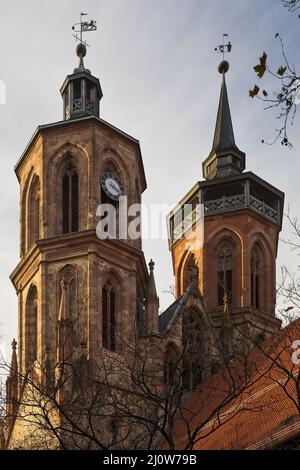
[283, 94]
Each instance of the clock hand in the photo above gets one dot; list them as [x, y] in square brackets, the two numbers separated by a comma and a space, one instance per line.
[114, 186]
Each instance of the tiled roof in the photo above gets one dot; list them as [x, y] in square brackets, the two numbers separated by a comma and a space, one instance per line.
[250, 404]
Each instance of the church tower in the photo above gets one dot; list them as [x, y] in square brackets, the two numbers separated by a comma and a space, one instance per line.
[242, 217]
[69, 279]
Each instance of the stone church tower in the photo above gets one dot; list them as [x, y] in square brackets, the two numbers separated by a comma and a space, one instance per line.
[85, 301]
[66, 272]
[242, 218]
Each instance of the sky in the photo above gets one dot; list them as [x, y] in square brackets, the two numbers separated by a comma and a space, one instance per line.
[158, 72]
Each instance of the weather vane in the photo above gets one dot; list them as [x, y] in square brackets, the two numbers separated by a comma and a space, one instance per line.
[224, 48]
[83, 27]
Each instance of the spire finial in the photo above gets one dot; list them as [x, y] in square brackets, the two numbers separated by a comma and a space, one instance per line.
[151, 265]
[14, 344]
[81, 53]
[223, 67]
[83, 27]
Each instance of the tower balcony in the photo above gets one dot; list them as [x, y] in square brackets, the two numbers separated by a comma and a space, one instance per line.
[222, 195]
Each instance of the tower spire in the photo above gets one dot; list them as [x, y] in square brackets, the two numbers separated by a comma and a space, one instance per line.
[225, 157]
[223, 136]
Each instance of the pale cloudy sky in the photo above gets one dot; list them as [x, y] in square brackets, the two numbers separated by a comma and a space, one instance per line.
[158, 72]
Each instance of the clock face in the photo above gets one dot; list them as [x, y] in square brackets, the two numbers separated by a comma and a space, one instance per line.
[112, 186]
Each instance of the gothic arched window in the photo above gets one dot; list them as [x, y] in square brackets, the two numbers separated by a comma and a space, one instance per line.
[34, 213]
[108, 317]
[70, 198]
[192, 339]
[224, 268]
[257, 281]
[31, 327]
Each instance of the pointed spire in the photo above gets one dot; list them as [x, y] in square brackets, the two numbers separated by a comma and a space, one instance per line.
[223, 137]
[12, 383]
[152, 301]
[14, 360]
[225, 157]
[63, 311]
[64, 349]
[65, 326]
[152, 294]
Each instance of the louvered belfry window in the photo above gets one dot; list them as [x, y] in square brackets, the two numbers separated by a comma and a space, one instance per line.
[108, 317]
[70, 200]
[34, 213]
[31, 327]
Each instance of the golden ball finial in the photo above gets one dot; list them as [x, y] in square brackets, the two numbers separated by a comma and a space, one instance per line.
[224, 66]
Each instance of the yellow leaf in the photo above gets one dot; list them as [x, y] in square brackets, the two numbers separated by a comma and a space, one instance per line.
[254, 92]
[281, 71]
[261, 67]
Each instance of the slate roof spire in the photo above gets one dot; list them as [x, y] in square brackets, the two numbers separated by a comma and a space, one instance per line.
[223, 137]
[225, 157]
